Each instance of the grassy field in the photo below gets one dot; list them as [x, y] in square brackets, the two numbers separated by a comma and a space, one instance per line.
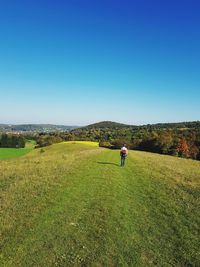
[95, 144]
[72, 205]
[9, 153]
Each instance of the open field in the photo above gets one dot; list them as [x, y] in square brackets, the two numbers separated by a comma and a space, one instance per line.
[72, 205]
[95, 144]
[9, 153]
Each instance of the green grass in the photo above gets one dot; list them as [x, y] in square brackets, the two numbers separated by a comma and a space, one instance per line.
[95, 144]
[10, 153]
[72, 205]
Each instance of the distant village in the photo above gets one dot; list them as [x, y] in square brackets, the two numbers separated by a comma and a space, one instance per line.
[34, 128]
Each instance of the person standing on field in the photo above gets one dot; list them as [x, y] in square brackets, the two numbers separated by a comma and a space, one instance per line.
[123, 154]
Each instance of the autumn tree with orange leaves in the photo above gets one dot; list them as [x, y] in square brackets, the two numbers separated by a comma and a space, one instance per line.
[182, 148]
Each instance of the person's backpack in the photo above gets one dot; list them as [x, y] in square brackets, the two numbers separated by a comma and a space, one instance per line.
[123, 152]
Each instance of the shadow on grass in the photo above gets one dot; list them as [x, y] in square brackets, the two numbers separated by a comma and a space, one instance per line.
[110, 163]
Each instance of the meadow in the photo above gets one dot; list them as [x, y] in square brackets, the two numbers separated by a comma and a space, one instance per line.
[71, 204]
[10, 153]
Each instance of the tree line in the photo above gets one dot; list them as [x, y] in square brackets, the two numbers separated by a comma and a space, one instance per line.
[177, 139]
[12, 141]
[181, 139]
[183, 142]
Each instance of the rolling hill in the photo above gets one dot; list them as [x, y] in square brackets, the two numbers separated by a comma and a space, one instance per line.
[107, 124]
[98, 125]
[70, 204]
[175, 125]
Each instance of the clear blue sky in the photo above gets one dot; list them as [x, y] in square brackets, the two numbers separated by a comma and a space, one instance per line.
[83, 61]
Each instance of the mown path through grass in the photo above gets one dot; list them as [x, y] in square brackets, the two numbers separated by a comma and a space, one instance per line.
[85, 210]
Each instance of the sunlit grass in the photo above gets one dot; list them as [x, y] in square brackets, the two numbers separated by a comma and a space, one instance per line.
[10, 153]
[90, 143]
[73, 205]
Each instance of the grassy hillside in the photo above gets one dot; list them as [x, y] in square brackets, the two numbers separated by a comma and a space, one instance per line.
[10, 153]
[72, 205]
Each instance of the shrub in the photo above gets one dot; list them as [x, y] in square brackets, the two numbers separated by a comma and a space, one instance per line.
[105, 144]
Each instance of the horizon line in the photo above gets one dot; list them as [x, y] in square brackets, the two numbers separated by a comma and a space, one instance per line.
[75, 125]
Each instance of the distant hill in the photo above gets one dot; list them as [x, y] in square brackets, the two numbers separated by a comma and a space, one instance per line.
[108, 124]
[112, 124]
[35, 128]
[99, 125]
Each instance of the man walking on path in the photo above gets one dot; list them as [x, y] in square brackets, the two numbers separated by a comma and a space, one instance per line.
[123, 154]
